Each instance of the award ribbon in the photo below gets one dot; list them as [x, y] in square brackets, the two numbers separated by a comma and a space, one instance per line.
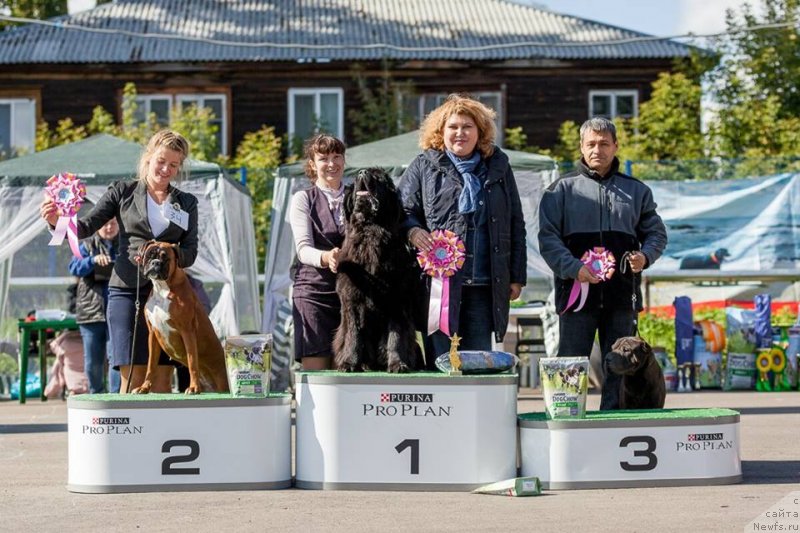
[602, 264]
[443, 260]
[67, 193]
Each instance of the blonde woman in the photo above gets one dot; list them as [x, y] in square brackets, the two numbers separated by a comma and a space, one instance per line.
[462, 182]
[149, 207]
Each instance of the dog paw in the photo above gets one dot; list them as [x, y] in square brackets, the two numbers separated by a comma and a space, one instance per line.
[346, 367]
[144, 389]
[399, 368]
[192, 389]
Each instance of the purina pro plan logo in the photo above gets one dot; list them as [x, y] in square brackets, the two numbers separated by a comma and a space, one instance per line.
[701, 442]
[414, 404]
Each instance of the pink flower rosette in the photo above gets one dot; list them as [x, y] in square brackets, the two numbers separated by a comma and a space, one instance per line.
[602, 264]
[67, 193]
[444, 259]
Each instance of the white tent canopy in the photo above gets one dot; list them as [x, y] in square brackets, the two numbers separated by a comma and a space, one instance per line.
[226, 257]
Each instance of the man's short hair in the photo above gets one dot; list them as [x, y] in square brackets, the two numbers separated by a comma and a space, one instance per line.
[599, 125]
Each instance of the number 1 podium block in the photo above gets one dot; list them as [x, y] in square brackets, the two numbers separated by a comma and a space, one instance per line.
[614, 449]
[175, 442]
[423, 431]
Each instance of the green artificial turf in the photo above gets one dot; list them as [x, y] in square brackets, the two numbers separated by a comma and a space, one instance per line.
[644, 414]
[177, 397]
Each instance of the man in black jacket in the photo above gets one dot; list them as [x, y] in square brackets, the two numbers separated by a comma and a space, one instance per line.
[598, 207]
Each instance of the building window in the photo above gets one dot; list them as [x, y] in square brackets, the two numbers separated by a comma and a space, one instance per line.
[160, 105]
[313, 110]
[417, 106]
[613, 104]
[17, 126]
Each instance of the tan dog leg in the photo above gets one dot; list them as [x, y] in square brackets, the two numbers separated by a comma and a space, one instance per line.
[154, 349]
[190, 343]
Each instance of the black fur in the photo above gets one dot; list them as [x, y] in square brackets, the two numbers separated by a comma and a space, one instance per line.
[710, 261]
[642, 384]
[375, 275]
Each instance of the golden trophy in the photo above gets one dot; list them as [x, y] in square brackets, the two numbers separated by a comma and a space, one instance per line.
[455, 360]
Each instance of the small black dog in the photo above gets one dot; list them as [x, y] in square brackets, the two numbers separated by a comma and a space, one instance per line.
[642, 384]
[375, 271]
[711, 261]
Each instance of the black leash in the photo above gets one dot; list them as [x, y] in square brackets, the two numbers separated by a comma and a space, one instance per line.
[140, 255]
[623, 268]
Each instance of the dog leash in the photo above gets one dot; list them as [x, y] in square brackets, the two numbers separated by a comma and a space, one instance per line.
[624, 267]
[136, 304]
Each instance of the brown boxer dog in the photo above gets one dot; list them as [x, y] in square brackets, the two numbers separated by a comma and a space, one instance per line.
[178, 323]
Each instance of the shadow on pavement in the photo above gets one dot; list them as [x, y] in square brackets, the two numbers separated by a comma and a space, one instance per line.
[770, 472]
[7, 429]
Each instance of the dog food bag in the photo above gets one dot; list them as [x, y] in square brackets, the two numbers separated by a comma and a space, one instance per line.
[565, 384]
[247, 360]
[740, 372]
[518, 486]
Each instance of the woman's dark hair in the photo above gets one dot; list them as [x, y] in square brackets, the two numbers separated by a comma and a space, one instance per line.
[321, 143]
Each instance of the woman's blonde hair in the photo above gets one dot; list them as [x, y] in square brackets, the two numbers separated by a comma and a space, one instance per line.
[432, 128]
[163, 139]
[321, 143]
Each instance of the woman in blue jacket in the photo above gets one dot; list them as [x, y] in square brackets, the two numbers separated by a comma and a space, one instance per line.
[462, 182]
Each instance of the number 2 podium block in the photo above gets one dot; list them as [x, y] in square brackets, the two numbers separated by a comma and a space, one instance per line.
[428, 431]
[174, 442]
[610, 449]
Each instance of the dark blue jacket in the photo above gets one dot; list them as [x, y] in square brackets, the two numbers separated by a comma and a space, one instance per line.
[430, 188]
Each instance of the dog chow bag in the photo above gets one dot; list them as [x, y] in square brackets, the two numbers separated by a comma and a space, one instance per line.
[565, 384]
[247, 359]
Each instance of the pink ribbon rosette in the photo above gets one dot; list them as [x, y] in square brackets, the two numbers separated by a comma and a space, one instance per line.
[67, 193]
[602, 264]
[443, 260]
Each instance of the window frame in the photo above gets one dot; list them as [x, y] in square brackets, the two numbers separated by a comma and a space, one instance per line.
[316, 92]
[614, 94]
[7, 98]
[178, 94]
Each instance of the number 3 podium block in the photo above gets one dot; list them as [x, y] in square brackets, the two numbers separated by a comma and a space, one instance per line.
[164, 442]
[381, 431]
[669, 447]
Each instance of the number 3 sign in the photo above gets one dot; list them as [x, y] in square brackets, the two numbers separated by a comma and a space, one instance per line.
[690, 447]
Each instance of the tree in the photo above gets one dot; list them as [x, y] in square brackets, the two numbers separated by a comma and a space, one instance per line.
[32, 9]
[379, 114]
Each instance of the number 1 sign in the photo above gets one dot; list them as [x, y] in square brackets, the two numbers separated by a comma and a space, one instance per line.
[415, 432]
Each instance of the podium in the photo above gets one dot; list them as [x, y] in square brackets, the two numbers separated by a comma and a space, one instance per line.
[175, 442]
[422, 431]
[614, 449]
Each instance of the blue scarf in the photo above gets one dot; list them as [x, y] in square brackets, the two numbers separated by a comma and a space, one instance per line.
[468, 200]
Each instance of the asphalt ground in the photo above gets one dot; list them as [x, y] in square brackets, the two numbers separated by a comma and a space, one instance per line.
[33, 494]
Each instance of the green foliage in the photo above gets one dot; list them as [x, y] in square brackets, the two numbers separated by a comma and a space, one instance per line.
[379, 114]
[515, 139]
[260, 153]
[32, 9]
[195, 123]
[717, 314]
[102, 122]
[568, 147]
[784, 316]
[131, 129]
[658, 330]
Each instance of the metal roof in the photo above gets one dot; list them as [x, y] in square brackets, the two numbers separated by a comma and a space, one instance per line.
[128, 31]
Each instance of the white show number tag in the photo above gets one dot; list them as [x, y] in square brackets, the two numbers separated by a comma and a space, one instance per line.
[177, 216]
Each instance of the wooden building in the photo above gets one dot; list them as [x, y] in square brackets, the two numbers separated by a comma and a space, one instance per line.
[289, 63]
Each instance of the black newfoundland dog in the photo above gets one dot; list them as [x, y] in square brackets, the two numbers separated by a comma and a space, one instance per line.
[375, 281]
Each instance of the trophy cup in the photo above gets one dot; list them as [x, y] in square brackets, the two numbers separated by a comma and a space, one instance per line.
[455, 360]
[697, 367]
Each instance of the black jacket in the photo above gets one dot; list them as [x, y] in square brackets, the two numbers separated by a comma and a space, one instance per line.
[127, 201]
[583, 210]
[90, 294]
[430, 188]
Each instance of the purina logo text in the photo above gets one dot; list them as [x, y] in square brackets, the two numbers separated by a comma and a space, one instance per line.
[699, 442]
[405, 404]
[111, 426]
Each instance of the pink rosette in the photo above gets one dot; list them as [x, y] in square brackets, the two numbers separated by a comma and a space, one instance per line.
[444, 259]
[602, 264]
[67, 193]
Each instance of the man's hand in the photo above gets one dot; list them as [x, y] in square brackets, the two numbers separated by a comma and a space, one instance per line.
[636, 260]
[586, 276]
[514, 291]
